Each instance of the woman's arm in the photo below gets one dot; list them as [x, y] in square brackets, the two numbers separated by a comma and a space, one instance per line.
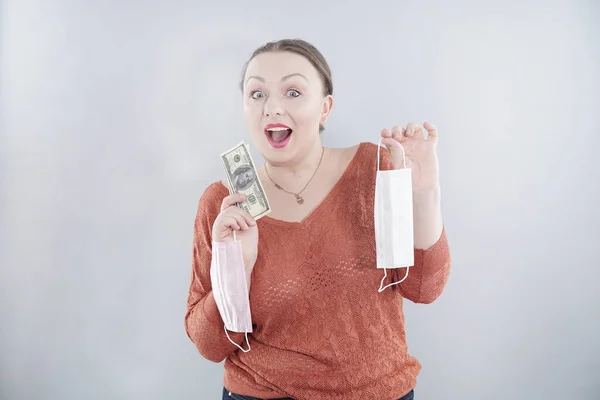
[203, 322]
[427, 278]
[427, 218]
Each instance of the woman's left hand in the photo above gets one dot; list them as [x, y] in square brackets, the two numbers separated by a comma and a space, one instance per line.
[421, 155]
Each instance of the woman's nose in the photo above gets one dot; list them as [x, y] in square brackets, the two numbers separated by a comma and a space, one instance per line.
[272, 108]
[274, 112]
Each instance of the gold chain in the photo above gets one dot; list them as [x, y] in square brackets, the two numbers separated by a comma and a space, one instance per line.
[299, 199]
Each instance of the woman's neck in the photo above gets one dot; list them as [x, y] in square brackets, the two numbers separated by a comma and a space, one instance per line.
[295, 175]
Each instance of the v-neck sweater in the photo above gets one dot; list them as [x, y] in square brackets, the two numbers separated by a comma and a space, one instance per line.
[321, 329]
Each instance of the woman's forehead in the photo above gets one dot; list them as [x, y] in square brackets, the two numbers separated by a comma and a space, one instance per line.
[275, 66]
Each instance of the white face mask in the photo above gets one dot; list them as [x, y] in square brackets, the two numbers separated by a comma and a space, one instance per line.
[394, 236]
[230, 287]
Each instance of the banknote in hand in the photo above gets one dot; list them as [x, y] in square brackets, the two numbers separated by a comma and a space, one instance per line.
[243, 178]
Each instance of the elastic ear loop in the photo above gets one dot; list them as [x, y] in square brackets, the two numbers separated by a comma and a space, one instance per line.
[378, 149]
[238, 346]
[225, 329]
[385, 270]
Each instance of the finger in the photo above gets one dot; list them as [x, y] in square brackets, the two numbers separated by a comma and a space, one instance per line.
[385, 133]
[231, 223]
[234, 212]
[398, 133]
[249, 218]
[414, 130]
[396, 151]
[232, 200]
[431, 131]
[392, 144]
[241, 222]
[244, 219]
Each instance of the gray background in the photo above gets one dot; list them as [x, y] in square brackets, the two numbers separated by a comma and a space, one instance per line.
[113, 116]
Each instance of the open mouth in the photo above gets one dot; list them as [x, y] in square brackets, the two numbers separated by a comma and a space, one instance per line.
[278, 136]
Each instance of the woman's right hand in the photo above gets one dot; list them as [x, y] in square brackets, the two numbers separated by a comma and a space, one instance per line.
[232, 218]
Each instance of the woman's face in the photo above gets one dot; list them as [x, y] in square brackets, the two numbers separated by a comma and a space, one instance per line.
[284, 106]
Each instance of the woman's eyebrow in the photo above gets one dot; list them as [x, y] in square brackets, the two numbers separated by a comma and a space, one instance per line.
[260, 78]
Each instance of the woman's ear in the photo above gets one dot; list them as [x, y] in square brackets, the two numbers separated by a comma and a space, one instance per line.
[326, 109]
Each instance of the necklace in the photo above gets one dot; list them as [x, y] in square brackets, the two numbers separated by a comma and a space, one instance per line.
[299, 199]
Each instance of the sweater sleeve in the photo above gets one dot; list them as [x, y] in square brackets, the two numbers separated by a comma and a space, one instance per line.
[427, 278]
[203, 322]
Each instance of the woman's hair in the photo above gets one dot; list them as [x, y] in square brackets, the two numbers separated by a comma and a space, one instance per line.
[300, 47]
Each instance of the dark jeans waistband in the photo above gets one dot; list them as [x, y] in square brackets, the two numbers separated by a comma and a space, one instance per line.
[227, 395]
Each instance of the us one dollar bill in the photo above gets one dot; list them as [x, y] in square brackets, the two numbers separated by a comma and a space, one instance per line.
[243, 178]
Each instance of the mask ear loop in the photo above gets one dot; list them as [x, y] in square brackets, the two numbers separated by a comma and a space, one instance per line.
[378, 158]
[381, 289]
[238, 346]
[385, 270]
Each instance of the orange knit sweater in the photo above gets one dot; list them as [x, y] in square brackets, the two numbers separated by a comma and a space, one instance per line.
[321, 329]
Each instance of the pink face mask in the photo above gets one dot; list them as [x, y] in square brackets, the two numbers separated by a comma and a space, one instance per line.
[230, 287]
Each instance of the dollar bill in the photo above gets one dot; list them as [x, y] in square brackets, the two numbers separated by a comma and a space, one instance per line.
[243, 178]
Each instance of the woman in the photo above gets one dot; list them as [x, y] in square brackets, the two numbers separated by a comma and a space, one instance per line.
[321, 329]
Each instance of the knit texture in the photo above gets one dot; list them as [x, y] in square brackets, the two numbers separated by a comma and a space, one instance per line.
[321, 329]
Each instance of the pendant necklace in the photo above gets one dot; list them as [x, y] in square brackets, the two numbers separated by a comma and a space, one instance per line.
[299, 199]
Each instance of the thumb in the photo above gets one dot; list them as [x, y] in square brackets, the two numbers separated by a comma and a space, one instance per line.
[432, 132]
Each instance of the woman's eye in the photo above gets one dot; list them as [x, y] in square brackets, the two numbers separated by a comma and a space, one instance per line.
[293, 93]
[257, 94]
